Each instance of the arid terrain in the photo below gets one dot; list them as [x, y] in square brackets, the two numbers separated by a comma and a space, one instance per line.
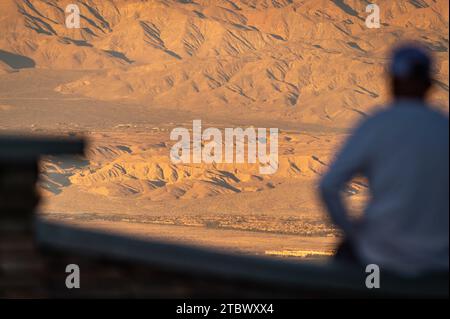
[135, 70]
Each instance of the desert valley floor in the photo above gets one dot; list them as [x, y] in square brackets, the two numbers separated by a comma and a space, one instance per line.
[128, 184]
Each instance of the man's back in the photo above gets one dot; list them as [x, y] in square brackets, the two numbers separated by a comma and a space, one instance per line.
[406, 223]
[404, 152]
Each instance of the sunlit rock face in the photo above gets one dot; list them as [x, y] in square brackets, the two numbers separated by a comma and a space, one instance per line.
[313, 61]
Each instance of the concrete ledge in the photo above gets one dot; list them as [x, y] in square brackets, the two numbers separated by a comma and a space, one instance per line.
[15, 149]
[326, 280]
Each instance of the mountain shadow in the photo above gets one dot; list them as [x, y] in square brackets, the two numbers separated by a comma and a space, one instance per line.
[16, 61]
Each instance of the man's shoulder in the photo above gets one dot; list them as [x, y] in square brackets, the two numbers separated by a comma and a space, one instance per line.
[390, 118]
[403, 111]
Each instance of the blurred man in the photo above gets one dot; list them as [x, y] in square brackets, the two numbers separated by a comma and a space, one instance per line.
[404, 152]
